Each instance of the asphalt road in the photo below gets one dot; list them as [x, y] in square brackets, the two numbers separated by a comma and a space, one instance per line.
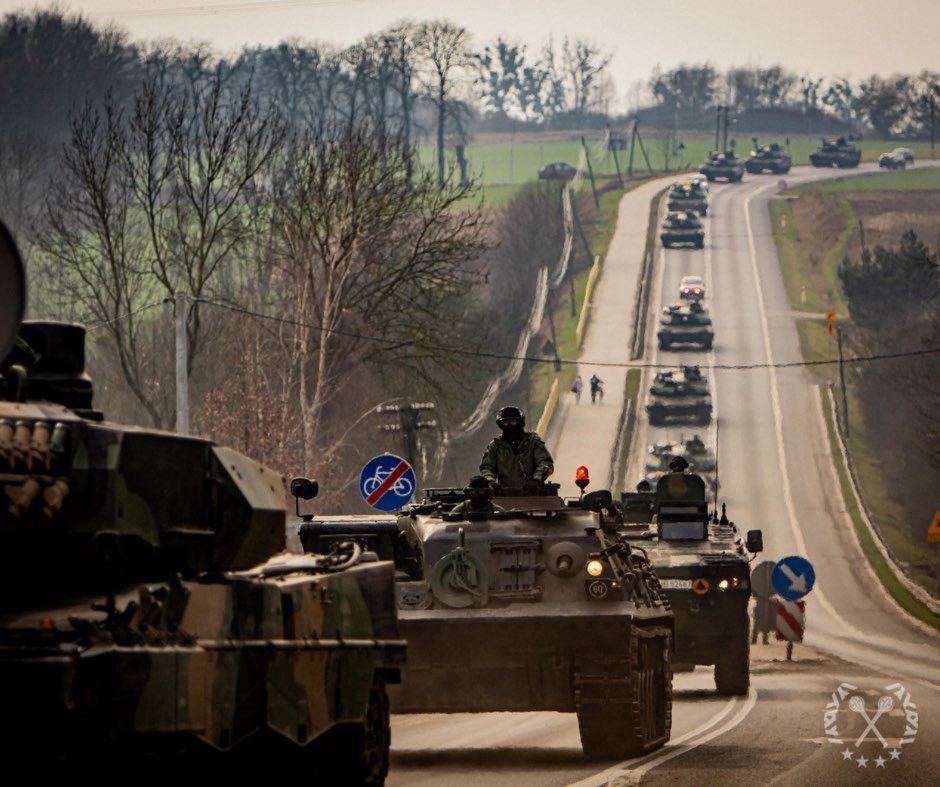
[775, 474]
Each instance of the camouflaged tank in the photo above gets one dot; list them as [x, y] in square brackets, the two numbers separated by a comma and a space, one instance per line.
[681, 228]
[542, 606]
[723, 166]
[146, 604]
[687, 196]
[842, 154]
[768, 158]
[704, 566]
[685, 326]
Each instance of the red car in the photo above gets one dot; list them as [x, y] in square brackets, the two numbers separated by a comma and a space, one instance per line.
[692, 288]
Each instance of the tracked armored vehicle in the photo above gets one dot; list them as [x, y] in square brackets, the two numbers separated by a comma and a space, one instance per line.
[540, 607]
[704, 564]
[723, 166]
[768, 158]
[688, 197]
[146, 604]
[682, 229]
[842, 154]
[684, 381]
[681, 395]
[700, 458]
[685, 326]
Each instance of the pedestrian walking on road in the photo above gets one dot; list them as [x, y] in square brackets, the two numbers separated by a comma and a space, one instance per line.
[597, 388]
[577, 388]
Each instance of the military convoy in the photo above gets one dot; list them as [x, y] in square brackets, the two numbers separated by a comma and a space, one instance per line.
[768, 158]
[687, 196]
[146, 604]
[842, 153]
[723, 166]
[681, 228]
[538, 605]
[687, 326]
[703, 564]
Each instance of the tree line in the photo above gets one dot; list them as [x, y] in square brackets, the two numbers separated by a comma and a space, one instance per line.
[895, 106]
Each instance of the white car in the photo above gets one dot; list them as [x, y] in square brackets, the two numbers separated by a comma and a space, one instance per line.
[692, 288]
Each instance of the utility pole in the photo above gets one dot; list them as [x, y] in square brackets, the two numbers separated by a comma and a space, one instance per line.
[725, 136]
[718, 127]
[845, 400]
[182, 362]
[930, 104]
[587, 158]
[409, 424]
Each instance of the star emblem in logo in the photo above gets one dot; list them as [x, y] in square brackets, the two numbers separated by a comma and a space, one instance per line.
[847, 754]
[862, 761]
[880, 762]
[895, 754]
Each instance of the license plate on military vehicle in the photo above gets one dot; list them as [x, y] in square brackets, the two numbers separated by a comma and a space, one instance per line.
[676, 584]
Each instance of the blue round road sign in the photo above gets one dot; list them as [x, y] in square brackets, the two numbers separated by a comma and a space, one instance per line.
[387, 482]
[793, 577]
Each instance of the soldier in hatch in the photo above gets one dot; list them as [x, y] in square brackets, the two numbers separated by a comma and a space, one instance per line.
[517, 460]
[478, 504]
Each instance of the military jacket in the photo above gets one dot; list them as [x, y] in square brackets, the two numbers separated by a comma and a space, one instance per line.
[512, 467]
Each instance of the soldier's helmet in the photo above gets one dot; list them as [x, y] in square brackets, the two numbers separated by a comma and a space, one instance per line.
[509, 412]
[643, 486]
[678, 464]
[477, 487]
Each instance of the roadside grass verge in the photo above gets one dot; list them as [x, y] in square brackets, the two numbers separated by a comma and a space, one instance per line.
[821, 285]
[631, 396]
[900, 594]
[924, 179]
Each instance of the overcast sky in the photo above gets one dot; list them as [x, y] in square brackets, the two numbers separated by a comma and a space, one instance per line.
[826, 37]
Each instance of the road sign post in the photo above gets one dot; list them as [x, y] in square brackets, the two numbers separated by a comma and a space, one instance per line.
[793, 577]
[387, 482]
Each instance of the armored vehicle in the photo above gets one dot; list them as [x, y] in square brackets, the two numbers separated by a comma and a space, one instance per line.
[768, 158]
[689, 198]
[682, 229]
[696, 453]
[703, 563]
[685, 326]
[539, 606]
[723, 166]
[842, 153]
[146, 604]
[679, 395]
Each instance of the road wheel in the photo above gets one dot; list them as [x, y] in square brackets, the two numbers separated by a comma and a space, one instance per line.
[357, 754]
[733, 671]
[626, 711]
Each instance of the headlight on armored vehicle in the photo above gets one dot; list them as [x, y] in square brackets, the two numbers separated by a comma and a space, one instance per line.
[595, 568]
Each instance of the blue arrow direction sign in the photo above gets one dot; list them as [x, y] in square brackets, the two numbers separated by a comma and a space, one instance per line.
[793, 577]
[387, 482]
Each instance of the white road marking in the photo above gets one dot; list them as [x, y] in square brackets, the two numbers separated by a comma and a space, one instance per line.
[632, 771]
[778, 415]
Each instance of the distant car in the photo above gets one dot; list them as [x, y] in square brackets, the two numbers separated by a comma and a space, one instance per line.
[692, 288]
[893, 160]
[559, 170]
[906, 153]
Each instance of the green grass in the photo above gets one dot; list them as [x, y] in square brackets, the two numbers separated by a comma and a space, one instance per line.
[924, 179]
[509, 163]
[882, 570]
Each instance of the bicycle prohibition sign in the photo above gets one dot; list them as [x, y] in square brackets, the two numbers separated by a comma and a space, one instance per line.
[387, 482]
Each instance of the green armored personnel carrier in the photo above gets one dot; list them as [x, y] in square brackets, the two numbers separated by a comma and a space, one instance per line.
[688, 197]
[723, 166]
[685, 326]
[842, 154]
[679, 395]
[538, 605]
[682, 229]
[768, 158]
[146, 604]
[704, 564]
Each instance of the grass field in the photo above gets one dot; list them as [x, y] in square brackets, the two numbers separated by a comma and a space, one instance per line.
[923, 179]
[512, 162]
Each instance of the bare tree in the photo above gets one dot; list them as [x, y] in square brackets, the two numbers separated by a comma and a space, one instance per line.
[444, 51]
[371, 256]
[583, 63]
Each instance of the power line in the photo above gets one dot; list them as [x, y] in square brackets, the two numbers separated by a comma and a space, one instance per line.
[94, 326]
[553, 360]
